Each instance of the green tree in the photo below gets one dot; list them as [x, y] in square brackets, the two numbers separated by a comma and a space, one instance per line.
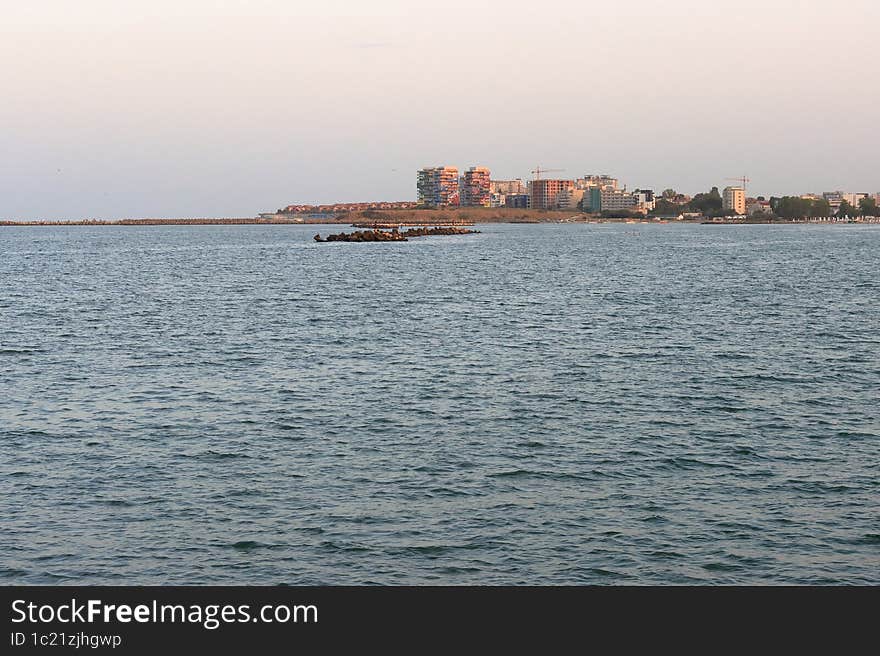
[664, 207]
[707, 203]
[846, 209]
[793, 207]
[868, 207]
[669, 194]
[820, 208]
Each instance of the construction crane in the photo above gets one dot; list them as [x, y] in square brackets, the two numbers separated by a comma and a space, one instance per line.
[538, 171]
[743, 181]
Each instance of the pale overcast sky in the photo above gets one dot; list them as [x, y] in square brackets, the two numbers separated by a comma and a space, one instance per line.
[229, 108]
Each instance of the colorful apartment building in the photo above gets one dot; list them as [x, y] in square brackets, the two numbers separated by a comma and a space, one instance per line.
[437, 186]
[475, 187]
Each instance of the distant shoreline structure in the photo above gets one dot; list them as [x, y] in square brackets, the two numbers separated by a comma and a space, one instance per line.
[446, 216]
[157, 221]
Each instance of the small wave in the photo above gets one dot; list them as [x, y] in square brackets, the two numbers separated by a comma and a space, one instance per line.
[62, 556]
[29, 434]
[248, 545]
[690, 463]
[816, 487]
[868, 538]
[456, 570]
[122, 503]
[855, 434]
[437, 549]
[666, 554]
[734, 356]
[722, 567]
[217, 455]
[448, 492]
[732, 409]
[524, 473]
[311, 530]
[355, 548]
[737, 526]
[514, 473]
[775, 378]
[286, 427]
[238, 493]
[607, 573]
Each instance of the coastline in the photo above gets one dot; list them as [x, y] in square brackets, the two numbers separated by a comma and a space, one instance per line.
[421, 217]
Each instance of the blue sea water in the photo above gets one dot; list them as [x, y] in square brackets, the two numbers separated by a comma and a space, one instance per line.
[546, 404]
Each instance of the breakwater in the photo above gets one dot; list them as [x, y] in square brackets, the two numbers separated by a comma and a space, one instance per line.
[394, 234]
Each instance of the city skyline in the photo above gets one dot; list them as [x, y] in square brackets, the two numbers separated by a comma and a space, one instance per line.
[187, 109]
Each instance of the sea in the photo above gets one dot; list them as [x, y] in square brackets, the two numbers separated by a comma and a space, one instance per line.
[627, 404]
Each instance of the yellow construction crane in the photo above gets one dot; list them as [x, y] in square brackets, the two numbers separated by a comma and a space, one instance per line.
[538, 171]
[743, 181]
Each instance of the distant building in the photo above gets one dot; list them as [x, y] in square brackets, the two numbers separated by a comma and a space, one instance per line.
[438, 186]
[497, 200]
[855, 199]
[755, 206]
[645, 199]
[617, 200]
[336, 208]
[519, 201]
[734, 200]
[836, 199]
[600, 181]
[544, 193]
[592, 200]
[506, 187]
[569, 199]
[475, 187]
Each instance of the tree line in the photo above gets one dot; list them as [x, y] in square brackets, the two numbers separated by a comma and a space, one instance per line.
[785, 207]
[707, 204]
[794, 207]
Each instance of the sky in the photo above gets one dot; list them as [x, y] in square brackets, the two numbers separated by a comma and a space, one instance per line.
[198, 108]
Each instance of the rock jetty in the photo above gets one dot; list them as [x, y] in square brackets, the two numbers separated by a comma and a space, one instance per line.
[364, 235]
[394, 234]
[442, 230]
